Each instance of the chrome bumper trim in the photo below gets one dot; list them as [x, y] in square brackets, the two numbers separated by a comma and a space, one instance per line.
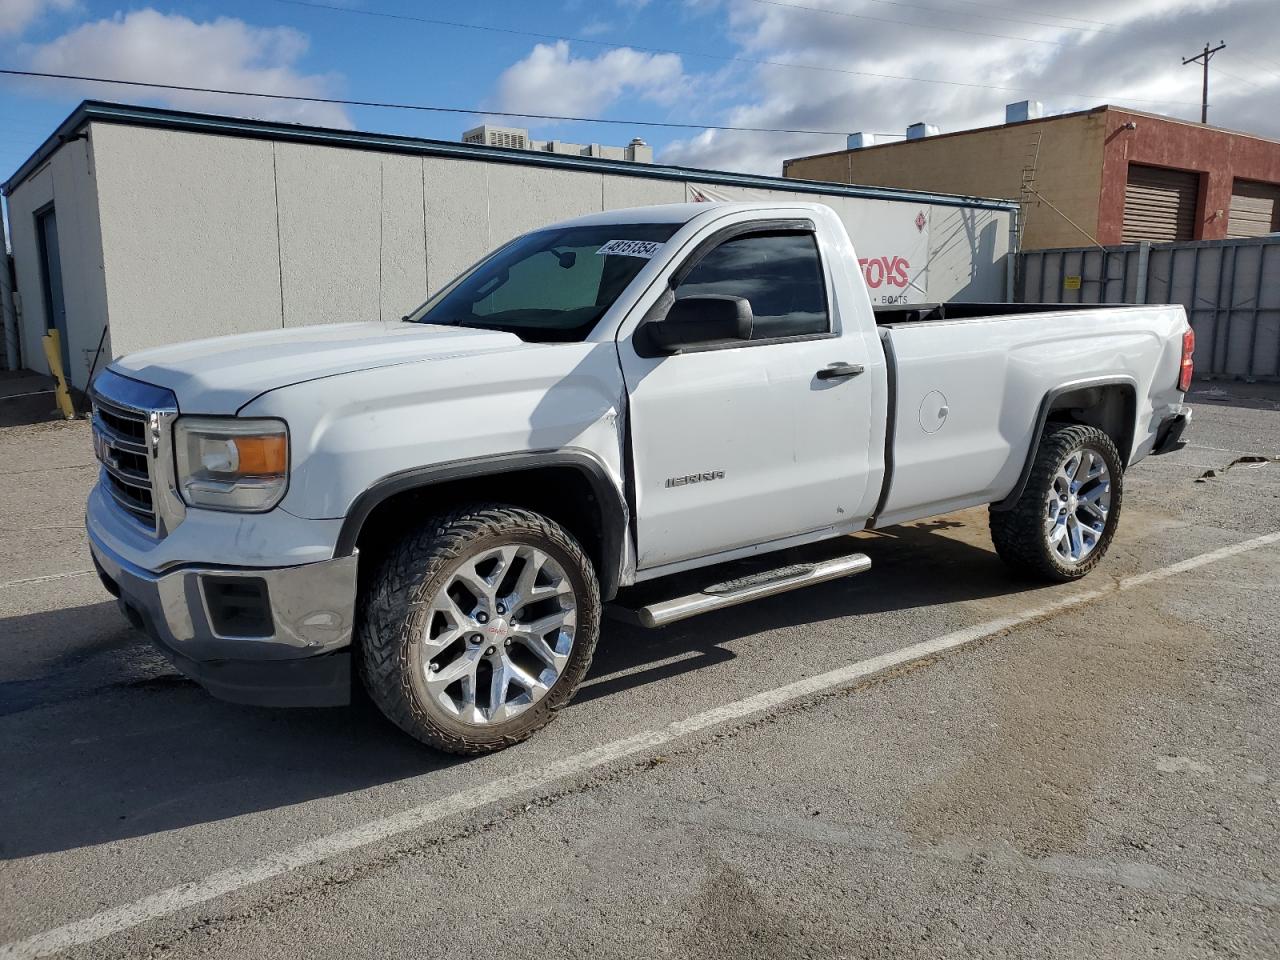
[312, 607]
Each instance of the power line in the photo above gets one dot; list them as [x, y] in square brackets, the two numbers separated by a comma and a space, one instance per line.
[314, 4]
[1259, 63]
[1233, 76]
[1039, 13]
[1274, 63]
[857, 16]
[988, 16]
[427, 108]
[906, 23]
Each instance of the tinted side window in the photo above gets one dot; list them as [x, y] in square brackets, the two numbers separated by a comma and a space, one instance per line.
[780, 273]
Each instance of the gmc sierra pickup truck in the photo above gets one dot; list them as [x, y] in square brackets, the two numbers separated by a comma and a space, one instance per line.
[448, 501]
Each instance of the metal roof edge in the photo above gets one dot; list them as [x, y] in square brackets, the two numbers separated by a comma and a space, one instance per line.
[128, 114]
[64, 131]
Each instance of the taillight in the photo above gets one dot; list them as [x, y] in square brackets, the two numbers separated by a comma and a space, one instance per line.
[1184, 372]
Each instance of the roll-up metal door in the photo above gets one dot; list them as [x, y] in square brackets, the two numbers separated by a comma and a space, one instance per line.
[1159, 204]
[1254, 208]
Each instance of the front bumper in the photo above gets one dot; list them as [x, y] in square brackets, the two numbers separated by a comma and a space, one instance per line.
[1169, 434]
[266, 636]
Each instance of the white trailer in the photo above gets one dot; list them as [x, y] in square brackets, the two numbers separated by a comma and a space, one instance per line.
[127, 217]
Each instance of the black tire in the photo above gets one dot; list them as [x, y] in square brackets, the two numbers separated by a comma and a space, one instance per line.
[1019, 534]
[393, 616]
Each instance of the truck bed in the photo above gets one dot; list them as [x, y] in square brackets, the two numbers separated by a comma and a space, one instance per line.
[984, 378]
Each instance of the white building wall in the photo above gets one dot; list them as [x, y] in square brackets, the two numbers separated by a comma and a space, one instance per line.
[456, 198]
[618, 193]
[329, 204]
[524, 198]
[69, 178]
[402, 276]
[188, 234]
[36, 193]
[206, 234]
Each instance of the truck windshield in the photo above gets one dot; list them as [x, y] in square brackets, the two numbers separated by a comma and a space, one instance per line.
[549, 286]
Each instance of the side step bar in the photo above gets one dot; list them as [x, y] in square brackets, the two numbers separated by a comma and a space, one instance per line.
[733, 592]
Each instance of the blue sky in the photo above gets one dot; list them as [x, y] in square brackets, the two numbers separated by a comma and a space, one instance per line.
[837, 65]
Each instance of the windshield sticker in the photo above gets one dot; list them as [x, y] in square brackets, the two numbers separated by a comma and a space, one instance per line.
[629, 248]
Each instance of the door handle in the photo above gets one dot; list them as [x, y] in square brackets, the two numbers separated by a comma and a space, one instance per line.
[838, 371]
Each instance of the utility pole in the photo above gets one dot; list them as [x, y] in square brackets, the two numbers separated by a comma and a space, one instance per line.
[1204, 92]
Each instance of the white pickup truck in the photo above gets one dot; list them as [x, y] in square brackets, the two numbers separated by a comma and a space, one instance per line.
[448, 501]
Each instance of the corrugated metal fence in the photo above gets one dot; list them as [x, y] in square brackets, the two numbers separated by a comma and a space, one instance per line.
[1231, 289]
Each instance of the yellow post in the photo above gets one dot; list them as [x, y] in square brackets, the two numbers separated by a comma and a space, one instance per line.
[52, 342]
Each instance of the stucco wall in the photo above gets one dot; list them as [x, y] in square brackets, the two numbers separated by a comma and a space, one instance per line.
[68, 177]
[207, 235]
[989, 163]
[1218, 156]
[188, 235]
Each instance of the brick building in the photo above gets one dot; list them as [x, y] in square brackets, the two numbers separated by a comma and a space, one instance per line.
[1106, 175]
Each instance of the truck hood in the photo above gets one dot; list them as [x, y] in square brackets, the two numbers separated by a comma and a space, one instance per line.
[222, 374]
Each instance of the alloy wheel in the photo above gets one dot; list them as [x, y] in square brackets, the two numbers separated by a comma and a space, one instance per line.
[1077, 505]
[499, 634]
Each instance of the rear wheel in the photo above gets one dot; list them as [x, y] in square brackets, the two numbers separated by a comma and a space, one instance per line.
[478, 627]
[1064, 521]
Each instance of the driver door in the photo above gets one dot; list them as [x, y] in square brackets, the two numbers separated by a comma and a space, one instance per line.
[741, 444]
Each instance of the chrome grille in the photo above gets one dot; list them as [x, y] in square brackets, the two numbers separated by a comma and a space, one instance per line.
[120, 442]
[132, 437]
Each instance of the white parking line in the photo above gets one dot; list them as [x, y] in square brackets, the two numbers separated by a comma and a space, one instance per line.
[170, 901]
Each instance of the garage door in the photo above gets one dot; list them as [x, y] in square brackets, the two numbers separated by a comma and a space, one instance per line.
[1160, 205]
[1254, 207]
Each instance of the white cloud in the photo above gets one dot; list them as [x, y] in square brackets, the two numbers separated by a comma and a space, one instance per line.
[17, 15]
[551, 80]
[225, 53]
[1104, 52]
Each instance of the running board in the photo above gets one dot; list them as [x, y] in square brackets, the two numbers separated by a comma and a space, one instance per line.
[730, 593]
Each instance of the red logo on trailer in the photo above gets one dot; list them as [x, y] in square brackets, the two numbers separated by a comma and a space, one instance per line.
[878, 271]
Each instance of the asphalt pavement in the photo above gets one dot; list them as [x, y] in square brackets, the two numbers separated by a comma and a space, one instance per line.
[1088, 770]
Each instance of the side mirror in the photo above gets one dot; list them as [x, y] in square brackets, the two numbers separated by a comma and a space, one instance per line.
[694, 321]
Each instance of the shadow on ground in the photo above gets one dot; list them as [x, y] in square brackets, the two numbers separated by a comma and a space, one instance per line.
[109, 744]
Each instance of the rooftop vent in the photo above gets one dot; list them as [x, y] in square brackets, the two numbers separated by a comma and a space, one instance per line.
[918, 131]
[1023, 110]
[857, 141]
[492, 136]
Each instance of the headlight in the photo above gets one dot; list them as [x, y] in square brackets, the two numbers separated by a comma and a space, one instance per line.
[225, 463]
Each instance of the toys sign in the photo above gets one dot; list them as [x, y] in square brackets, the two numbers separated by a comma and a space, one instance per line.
[885, 270]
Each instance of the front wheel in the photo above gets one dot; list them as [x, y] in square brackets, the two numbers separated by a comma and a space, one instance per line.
[1061, 526]
[478, 627]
